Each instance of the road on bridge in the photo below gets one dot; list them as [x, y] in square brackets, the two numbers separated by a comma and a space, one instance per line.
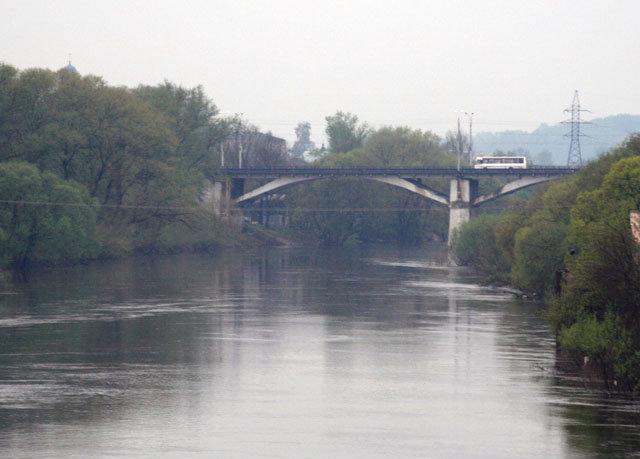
[418, 172]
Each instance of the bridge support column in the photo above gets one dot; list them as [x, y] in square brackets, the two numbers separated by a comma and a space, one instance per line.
[218, 198]
[461, 195]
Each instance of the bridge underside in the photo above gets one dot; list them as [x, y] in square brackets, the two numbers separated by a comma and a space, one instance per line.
[412, 186]
[509, 188]
[285, 182]
[462, 196]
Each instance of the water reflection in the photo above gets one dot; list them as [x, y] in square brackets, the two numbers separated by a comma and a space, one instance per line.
[369, 353]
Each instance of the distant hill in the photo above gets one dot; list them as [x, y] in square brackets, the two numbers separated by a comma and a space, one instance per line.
[548, 144]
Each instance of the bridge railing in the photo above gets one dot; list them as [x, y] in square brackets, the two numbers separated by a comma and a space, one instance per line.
[414, 172]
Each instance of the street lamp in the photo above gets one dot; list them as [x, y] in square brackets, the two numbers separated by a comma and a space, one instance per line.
[470, 115]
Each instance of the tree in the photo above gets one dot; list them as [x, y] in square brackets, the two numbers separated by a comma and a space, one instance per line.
[456, 143]
[475, 244]
[33, 230]
[303, 141]
[78, 127]
[193, 118]
[24, 109]
[345, 132]
[538, 253]
[143, 154]
[404, 147]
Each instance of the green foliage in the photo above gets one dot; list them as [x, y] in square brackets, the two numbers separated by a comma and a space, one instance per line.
[605, 272]
[599, 339]
[411, 219]
[31, 230]
[345, 132]
[476, 245]
[331, 228]
[143, 155]
[192, 117]
[538, 254]
[609, 345]
[404, 147]
[508, 225]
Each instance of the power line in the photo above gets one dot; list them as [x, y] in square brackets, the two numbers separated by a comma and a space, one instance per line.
[84, 204]
[391, 209]
[249, 209]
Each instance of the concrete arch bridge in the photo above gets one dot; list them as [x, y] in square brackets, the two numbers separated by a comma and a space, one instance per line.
[463, 184]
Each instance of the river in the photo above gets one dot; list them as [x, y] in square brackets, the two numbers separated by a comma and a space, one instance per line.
[367, 352]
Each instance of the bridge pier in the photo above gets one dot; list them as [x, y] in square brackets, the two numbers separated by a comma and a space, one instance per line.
[220, 195]
[461, 195]
[217, 196]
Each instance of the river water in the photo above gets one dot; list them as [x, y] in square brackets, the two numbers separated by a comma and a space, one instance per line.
[368, 352]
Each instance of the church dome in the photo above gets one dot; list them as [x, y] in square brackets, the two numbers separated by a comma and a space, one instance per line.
[70, 68]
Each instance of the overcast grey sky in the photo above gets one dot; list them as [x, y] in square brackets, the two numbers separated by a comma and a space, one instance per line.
[278, 62]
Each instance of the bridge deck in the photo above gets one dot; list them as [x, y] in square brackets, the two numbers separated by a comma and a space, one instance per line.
[447, 172]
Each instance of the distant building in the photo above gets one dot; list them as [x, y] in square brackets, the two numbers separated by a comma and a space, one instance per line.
[258, 149]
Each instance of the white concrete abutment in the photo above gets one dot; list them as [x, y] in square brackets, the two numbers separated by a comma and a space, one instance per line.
[461, 195]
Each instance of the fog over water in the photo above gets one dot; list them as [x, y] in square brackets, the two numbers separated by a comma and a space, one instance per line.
[369, 352]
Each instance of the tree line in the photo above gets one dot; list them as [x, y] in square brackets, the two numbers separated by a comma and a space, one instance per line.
[573, 244]
[134, 164]
[90, 170]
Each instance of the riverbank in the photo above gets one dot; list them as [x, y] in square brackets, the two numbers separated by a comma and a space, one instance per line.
[236, 237]
[571, 244]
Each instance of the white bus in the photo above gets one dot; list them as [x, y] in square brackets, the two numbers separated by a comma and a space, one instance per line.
[500, 162]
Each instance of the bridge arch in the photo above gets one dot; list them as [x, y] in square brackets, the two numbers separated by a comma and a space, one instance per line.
[412, 186]
[286, 182]
[461, 198]
[511, 187]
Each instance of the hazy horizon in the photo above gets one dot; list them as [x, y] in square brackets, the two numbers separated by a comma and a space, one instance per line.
[413, 63]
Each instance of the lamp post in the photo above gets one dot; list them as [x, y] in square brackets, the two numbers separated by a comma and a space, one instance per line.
[470, 115]
[459, 142]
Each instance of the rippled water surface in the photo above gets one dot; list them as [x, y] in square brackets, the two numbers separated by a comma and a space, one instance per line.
[372, 352]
